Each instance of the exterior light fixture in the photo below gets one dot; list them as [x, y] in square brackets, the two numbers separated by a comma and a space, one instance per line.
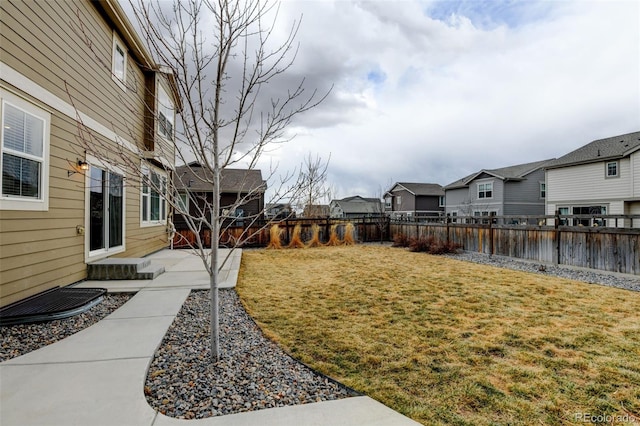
[80, 166]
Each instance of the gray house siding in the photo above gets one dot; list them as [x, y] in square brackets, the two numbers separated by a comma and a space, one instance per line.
[426, 203]
[526, 190]
[407, 201]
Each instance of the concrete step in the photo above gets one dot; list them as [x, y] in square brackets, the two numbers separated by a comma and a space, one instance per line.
[123, 269]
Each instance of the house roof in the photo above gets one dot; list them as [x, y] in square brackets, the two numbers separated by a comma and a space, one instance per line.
[359, 204]
[200, 179]
[611, 148]
[516, 172]
[417, 189]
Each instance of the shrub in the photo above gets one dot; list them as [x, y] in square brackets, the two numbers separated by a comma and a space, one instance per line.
[400, 240]
[334, 240]
[432, 246]
[349, 230]
[296, 239]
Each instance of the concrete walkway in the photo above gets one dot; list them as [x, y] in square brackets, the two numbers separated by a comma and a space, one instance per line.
[97, 376]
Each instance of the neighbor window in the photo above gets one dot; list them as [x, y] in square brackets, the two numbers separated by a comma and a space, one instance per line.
[182, 201]
[399, 200]
[612, 169]
[387, 202]
[153, 197]
[165, 114]
[485, 190]
[543, 190]
[441, 201]
[119, 62]
[25, 163]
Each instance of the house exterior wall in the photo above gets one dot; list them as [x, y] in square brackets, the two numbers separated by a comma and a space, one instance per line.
[407, 201]
[523, 197]
[586, 185]
[251, 208]
[634, 166]
[430, 203]
[42, 45]
[456, 200]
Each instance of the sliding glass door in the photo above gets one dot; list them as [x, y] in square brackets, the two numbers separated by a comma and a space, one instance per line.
[106, 211]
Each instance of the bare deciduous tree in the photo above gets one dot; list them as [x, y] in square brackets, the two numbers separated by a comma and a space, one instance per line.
[313, 188]
[224, 62]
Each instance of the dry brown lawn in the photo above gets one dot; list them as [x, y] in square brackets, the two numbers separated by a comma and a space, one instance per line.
[449, 342]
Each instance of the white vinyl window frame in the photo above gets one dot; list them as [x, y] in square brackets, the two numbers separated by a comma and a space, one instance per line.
[612, 169]
[485, 190]
[543, 190]
[166, 114]
[153, 186]
[119, 62]
[9, 104]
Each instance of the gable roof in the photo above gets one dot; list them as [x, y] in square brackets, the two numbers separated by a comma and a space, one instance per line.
[612, 148]
[418, 189]
[199, 179]
[359, 204]
[516, 172]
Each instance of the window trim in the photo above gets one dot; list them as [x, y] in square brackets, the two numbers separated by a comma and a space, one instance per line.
[606, 169]
[145, 199]
[24, 203]
[441, 201]
[121, 82]
[162, 96]
[543, 190]
[484, 185]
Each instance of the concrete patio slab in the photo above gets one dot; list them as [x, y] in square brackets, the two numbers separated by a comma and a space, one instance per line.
[75, 394]
[355, 411]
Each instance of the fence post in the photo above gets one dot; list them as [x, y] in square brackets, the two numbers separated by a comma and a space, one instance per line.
[556, 238]
[490, 238]
[448, 238]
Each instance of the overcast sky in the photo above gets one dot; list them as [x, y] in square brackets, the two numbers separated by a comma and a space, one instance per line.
[431, 91]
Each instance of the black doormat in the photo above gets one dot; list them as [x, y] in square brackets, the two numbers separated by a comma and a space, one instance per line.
[51, 304]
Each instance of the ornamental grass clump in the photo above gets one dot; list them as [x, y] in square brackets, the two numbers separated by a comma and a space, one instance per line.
[296, 239]
[274, 237]
[315, 237]
[334, 240]
[348, 234]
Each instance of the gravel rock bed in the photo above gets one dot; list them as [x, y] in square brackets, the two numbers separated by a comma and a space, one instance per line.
[253, 373]
[23, 338]
[623, 281]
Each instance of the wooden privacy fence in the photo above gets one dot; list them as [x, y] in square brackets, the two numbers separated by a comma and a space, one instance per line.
[604, 248]
[257, 235]
[608, 249]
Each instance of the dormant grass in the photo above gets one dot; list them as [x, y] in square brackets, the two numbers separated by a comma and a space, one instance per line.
[449, 342]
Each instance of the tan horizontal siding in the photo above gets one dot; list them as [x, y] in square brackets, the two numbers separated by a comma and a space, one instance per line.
[43, 45]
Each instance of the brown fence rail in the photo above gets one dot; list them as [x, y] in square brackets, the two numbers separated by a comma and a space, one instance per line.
[523, 237]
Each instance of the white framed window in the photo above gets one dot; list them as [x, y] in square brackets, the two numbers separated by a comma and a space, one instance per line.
[611, 169]
[543, 190]
[441, 201]
[25, 136]
[153, 197]
[182, 202]
[399, 200]
[119, 62]
[387, 202]
[485, 190]
[166, 114]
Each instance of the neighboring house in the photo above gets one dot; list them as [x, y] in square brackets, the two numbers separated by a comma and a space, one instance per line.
[602, 177]
[78, 87]
[315, 210]
[195, 193]
[514, 190]
[407, 200]
[278, 211]
[355, 207]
